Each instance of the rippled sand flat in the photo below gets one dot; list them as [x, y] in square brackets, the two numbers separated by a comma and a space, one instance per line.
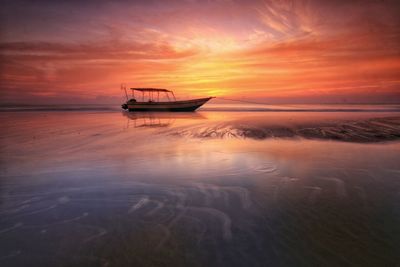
[116, 189]
[362, 130]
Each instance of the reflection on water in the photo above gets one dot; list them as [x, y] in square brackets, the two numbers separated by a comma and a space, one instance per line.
[158, 119]
[83, 189]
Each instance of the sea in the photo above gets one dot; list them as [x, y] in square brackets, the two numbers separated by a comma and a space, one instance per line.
[227, 185]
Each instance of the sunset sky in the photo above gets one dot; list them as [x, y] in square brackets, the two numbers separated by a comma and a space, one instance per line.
[275, 51]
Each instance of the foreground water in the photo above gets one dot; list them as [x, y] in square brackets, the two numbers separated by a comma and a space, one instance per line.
[212, 188]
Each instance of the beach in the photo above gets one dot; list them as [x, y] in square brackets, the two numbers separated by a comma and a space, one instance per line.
[294, 186]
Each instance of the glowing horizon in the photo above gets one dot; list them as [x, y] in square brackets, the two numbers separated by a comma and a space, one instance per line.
[278, 51]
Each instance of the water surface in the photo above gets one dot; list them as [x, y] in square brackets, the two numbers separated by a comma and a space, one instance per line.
[211, 188]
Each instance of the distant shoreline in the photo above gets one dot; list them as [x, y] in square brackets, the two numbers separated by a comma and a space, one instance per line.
[218, 108]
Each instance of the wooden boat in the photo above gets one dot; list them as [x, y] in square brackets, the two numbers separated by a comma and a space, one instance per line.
[151, 101]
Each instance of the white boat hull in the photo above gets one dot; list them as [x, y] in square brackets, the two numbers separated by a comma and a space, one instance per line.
[185, 105]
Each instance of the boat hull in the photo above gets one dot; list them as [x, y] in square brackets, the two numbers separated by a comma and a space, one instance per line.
[186, 105]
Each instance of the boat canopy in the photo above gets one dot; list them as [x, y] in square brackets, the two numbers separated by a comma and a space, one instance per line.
[153, 93]
[151, 90]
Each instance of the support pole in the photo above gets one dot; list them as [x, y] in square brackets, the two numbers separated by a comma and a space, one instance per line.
[124, 88]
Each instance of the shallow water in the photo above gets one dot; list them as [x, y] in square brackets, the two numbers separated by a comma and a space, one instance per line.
[91, 188]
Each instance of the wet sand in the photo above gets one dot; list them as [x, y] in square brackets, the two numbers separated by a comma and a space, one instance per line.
[116, 189]
[361, 130]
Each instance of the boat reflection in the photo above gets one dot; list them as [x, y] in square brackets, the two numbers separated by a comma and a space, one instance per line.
[159, 119]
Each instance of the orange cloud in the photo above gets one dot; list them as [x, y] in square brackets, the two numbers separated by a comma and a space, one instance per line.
[305, 51]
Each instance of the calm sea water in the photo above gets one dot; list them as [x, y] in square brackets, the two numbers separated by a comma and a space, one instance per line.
[99, 187]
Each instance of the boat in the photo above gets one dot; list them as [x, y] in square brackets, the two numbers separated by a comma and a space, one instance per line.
[150, 101]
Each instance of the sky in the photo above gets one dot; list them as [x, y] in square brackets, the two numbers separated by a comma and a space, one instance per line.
[303, 51]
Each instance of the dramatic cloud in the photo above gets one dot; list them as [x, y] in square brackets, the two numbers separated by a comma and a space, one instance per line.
[278, 51]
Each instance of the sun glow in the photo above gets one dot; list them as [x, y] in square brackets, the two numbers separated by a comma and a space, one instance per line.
[276, 51]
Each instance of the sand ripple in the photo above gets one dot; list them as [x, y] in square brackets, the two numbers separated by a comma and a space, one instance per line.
[363, 131]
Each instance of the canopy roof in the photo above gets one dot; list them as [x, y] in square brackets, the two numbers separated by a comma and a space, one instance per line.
[150, 90]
